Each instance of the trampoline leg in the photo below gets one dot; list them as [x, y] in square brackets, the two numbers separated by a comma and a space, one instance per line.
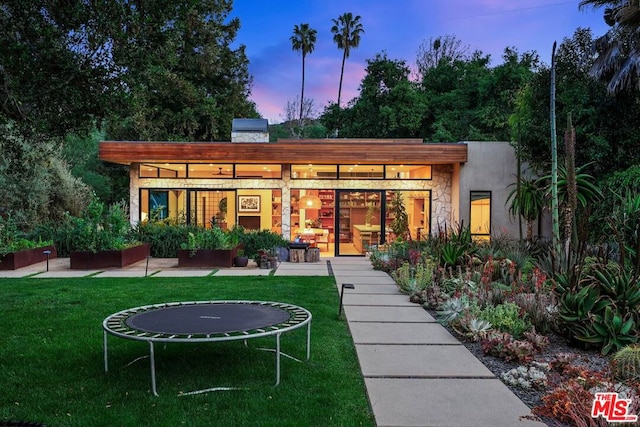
[106, 357]
[152, 357]
[277, 359]
[308, 340]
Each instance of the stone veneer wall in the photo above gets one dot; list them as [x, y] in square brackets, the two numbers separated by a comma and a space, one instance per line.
[249, 137]
[440, 186]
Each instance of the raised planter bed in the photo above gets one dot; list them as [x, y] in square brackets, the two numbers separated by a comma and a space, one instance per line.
[206, 257]
[87, 260]
[19, 259]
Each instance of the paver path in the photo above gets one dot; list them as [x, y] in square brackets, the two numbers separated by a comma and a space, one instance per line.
[415, 371]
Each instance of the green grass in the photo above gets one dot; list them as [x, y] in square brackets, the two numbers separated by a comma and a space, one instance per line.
[51, 360]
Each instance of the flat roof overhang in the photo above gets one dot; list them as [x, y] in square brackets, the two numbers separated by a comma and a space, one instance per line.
[315, 151]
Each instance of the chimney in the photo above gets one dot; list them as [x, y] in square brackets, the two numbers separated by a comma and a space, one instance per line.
[250, 130]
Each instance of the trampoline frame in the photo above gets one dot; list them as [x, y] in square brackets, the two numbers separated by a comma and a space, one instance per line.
[116, 325]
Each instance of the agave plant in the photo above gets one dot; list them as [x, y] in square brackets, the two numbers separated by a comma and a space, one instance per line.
[452, 309]
[478, 329]
[611, 331]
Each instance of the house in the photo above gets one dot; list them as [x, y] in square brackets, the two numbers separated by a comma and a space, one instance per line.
[334, 193]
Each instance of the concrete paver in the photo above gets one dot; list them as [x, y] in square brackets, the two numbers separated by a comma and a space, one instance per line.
[236, 272]
[68, 273]
[400, 333]
[384, 300]
[124, 273]
[356, 280]
[419, 361]
[445, 402]
[417, 314]
[373, 289]
[183, 273]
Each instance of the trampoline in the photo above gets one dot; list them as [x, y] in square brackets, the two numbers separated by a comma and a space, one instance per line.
[206, 321]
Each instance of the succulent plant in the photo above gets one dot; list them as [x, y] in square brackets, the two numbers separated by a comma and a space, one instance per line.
[626, 363]
[451, 309]
[478, 329]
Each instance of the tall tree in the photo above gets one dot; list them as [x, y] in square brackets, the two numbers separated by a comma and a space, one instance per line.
[181, 77]
[442, 48]
[346, 35]
[158, 69]
[601, 141]
[51, 80]
[618, 60]
[303, 40]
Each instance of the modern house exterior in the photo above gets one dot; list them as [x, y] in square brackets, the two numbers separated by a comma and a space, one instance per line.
[334, 193]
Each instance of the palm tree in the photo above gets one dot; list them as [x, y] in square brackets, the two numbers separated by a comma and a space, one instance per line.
[346, 34]
[618, 51]
[303, 40]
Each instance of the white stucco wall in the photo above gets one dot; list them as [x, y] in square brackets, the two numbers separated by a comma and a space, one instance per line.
[491, 166]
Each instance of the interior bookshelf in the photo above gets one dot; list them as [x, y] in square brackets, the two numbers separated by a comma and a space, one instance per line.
[276, 213]
[353, 211]
[327, 211]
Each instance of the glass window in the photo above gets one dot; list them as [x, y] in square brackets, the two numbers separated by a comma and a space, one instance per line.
[162, 204]
[361, 171]
[148, 171]
[258, 171]
[163, 170]
[480, 215]
[210, 170]
[311, 171]
[408, 172]
[159, 202]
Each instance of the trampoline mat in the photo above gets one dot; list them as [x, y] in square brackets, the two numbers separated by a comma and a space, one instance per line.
[207, 319]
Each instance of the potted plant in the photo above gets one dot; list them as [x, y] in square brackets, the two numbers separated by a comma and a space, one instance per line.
[17, 251]
[211, 247]
[257, 243]
[104, 239]
[241, 260]
[370, 214]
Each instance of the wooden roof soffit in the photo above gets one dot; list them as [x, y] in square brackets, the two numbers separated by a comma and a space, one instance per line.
[322, 151]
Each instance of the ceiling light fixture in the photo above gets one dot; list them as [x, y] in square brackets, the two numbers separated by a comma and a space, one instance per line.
[310, 202]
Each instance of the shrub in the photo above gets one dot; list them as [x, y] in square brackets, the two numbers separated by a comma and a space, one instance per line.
[164, 237]
[506, 318]
[208, 238]
[254, 241]
[96, 230]
[12, 240]
[504, 346]
[413, 278]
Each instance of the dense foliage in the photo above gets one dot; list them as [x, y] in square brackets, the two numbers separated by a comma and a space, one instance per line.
[35, 182]
[465, 99]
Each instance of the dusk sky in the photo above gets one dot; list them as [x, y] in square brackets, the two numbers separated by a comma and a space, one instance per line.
[395, 27]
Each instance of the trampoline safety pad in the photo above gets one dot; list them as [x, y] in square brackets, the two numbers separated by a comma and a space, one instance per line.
[206, 321]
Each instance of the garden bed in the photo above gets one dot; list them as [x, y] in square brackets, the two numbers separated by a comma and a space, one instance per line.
[199, 258]
[26, 257]
[87, 260]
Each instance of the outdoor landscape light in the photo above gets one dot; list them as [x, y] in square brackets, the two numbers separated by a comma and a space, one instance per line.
[47, 253]
[344, 286]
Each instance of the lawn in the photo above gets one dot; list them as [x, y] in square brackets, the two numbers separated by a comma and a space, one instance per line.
[51, 360]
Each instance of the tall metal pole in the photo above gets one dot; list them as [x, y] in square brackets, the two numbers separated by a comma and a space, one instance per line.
[554, 157]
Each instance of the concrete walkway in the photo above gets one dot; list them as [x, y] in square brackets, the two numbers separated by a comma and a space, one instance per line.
[415, 372]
